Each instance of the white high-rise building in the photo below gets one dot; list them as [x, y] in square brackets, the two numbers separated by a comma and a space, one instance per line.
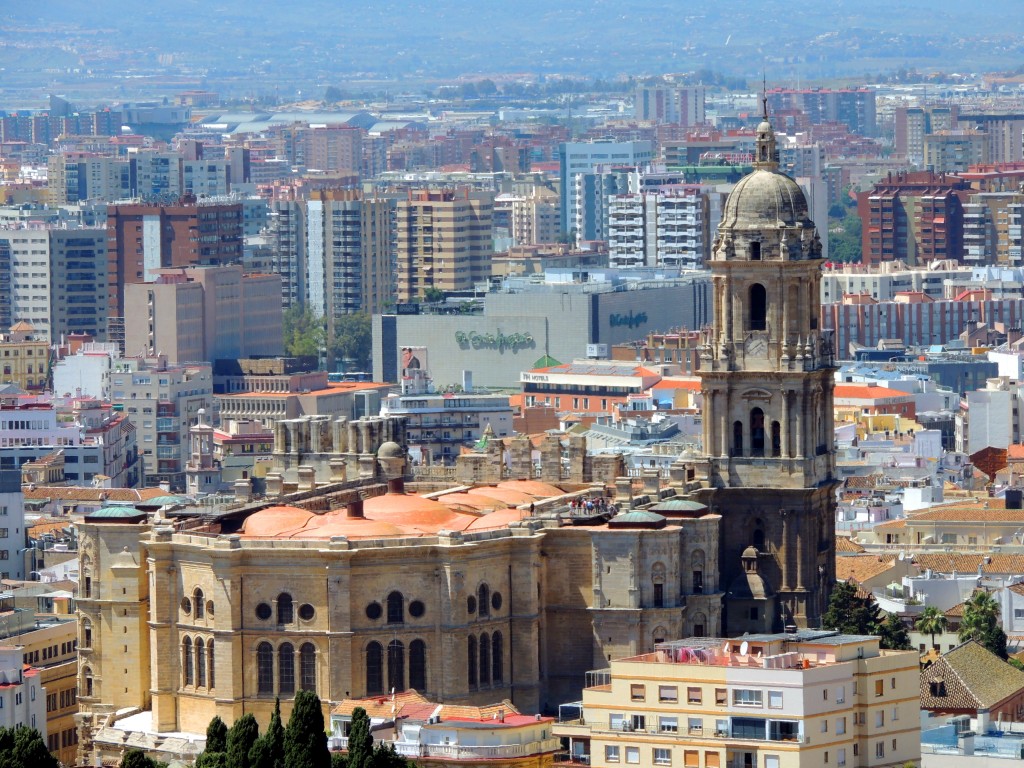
[584, 157]
[12, 528]
[669, 226]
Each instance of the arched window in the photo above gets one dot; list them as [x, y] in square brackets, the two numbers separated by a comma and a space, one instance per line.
[700, 625]
[756, 432]
[186, 661]
[307, 667]
[697, 564]
[86, 633]
[418, 665]
[285, 611]
[199, 603]
[286, 669]
[483, 601]
[396, 608]
[87, 679]
[759, 539]
[776, 439]
[658, 583]
[485, 659]
[200, 663]
[758, 308]
[265, 668]
[396, 666]
[374, 669]
[209, 662]
[737, 438]
[755, 251]
[471, 661]
[497, 658]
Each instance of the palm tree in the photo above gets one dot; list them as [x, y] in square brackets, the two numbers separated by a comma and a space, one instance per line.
[981, 618]
[932, 622]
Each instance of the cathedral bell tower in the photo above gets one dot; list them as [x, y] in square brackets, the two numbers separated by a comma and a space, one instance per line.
[767, 380]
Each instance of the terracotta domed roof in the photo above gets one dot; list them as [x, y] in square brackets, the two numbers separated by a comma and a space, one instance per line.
[412, 511]
[353, 528]
[504, 496]
[471, 500]
[533, 487]
[276, 521]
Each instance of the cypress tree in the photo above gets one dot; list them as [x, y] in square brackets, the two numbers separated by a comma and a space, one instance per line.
[216, 736]
[241, 737]
[305, 741]
[360, 740]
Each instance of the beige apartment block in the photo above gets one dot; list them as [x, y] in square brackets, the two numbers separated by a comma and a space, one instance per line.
[443, 241]
[808, 699]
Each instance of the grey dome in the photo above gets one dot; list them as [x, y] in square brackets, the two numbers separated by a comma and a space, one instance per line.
[766, 198]
[390, 450]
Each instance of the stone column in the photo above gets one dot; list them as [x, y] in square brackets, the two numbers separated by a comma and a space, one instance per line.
[799, 428]
[723, 422]
[784, 437]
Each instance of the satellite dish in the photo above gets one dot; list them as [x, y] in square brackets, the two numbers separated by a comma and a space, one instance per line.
[903, 556]
[744, 648]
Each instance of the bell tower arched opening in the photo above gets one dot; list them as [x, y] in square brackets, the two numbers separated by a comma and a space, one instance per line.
[758, 308]
[756, 432]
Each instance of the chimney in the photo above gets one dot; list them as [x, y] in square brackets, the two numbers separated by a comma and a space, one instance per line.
[396, 485]
[354, 508]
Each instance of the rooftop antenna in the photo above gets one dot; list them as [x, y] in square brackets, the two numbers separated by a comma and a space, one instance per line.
[764, 94]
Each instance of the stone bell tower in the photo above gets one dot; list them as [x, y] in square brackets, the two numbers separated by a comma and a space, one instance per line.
[767, 380]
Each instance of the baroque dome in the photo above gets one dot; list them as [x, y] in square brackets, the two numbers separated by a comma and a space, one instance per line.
[766, 198]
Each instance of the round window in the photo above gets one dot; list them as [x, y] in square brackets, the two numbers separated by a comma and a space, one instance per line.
[416, 609]
[263, 611]
[186, 605]
[374, 611]
[471, 604]
[209, 607]
[306, 612]
[496, 601]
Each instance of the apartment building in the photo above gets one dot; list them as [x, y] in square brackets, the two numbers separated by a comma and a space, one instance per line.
[681, 105]
[25, 359]
[669, 226]
[853, 106]
[22, 695]
[954, 151]
[56, 279]
[584, 157]
[443, 242]
[809, 698]
[912, 124]
[198, 314]
[77, 177]
[162, 401]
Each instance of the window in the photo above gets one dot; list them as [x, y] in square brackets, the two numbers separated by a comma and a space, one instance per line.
[746, 697]
[186, 661]
[485, 659]
[633, 755]
[616, 722]
[659, 595]
[396, 608]
[668, 724]
[209, 662]
[286, 669]
[880, 749]
[879, 719]
[771, 761]
[758, 308]
[265, 668]
[879, 687]
[721, 697]
[694, 726]
[307, 667]
[691, 758]
[895, 714]
[662, 756]
[200, 663]
[198, 601]
[396, 665]
[840, 726]
[418, 664]
[284, 608]
[824, 726]
[483, 600]
[497, 658]
[374, 669]
[841, 757]
[636, 692]
[668, 693]
[841, 694]
[611, 754]
[471, 654]
[1018, 613]
[693, 695]
[638, 722]
[775, 699]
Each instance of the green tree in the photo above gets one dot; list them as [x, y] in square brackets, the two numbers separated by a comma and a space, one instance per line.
[333, 94]
[339, 760]
[433, 295]
[850, 613]
[932, 622]
[303, 332]
[22, 746]
[360, 740]
[894, 635]
[268, 751]
[212, 760]
[353, 340]
[241, 737]
[305, 741]
[981, 623]
[136, 758]
[385, 756]
[216, 736]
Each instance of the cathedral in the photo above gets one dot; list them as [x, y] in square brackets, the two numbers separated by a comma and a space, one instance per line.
[767, 378]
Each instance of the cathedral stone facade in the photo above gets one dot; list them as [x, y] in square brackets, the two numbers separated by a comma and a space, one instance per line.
[767, 379]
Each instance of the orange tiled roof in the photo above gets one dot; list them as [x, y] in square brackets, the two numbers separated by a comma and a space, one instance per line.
[861, 568]
[846, 545]
[965, 563]
[96, 495]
